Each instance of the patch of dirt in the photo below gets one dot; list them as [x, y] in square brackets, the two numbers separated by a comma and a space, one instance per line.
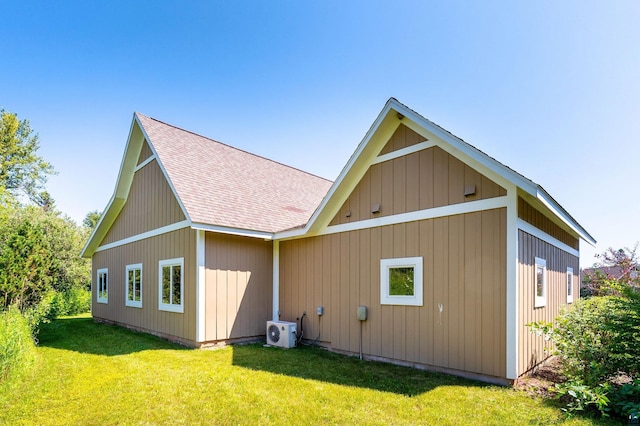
[543, 377]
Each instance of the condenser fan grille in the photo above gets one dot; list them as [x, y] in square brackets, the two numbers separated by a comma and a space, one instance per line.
[274, 333]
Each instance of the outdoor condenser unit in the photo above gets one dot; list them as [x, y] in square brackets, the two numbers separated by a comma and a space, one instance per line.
[281, 334]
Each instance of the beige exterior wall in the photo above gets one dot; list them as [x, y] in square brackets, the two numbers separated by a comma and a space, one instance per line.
[462, 323]
[402, 138]
[531, 346]
[530, 215]
[144, 153]
[239, 277]
[418, 181]
[149, 252]
[150, 205]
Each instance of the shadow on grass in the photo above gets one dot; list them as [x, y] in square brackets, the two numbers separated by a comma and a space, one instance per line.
[81, 334]
[310, 362]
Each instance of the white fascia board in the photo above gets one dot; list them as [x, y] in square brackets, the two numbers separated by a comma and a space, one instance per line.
[557, 210]
[344, 174]
[233, 231]
[164, 171]
[469, 151]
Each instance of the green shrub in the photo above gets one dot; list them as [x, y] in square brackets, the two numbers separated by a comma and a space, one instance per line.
[598, 341]
[71, 301]
[17, 350]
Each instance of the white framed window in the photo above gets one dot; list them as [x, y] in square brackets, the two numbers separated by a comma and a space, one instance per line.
[171, 285]
[133, 278]
[569, 285]
[540, 283]
[401, 281]
[102, 287]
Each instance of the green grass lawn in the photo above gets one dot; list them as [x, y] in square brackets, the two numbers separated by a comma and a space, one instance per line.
[90, 373]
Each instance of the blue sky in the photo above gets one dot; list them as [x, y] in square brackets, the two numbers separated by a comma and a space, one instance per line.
[551, 89]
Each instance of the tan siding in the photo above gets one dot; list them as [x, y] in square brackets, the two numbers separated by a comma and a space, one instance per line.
[151, 205]
[421, 180]
[402, 138]
[529, 214]
[149, 252]
[238, 291]
[531, 346]
[464, 272]
[144, 153]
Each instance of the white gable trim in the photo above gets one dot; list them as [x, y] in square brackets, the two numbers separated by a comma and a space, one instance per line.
[454, 209]
[164, 171]
[404, 151]
[530, 229]
[145, 235]
[144, 163]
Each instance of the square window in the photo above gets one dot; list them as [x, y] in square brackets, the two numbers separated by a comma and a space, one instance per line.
[171, 285]
[401, 281]
[134, 285]
[569, 285]
[540, 283]
[102, 277]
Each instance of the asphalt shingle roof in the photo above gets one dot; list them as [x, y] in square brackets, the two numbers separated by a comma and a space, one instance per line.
[224, 186]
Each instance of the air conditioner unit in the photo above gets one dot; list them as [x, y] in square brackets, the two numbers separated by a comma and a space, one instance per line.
[281, 334]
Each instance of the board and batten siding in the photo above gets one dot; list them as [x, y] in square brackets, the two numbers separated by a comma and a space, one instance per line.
[531, 347]
[239, 274]
[151, 204]
[145, 153]
[402, 138]
[462, 324]
[534, 217]
[418, 181]
[148, 252]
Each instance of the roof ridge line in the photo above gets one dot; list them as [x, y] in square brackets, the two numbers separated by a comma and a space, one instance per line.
[234, 147]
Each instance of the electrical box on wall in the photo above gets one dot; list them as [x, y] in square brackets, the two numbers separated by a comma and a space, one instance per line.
[362, 313]
[320, 310]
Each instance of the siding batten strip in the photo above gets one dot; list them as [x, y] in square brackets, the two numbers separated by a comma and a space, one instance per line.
[200, 287]
[276, 279]
[512, 284]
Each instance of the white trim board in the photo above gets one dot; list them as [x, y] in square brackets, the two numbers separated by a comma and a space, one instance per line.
[144, 163]
[200, 287]
[454, 209]
[512, 294]
[145, 235]
[530, 229]
[232, 231]
[404, 151]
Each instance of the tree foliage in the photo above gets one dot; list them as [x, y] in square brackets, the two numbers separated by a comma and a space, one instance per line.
[91, 219]
[22, 170]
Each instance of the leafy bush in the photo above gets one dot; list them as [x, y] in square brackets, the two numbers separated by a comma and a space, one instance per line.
[71, 301]
[598, 341]
[17, 351]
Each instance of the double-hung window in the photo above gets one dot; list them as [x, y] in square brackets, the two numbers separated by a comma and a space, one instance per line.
[540, 287]
[133, 279]
[102, 285]
[171, 285]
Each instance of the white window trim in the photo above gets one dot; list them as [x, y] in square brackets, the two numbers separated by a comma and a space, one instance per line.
[402, 262]
[540, 301]
[166, 306]
[132, 303]
[570, 286]
[99, 272]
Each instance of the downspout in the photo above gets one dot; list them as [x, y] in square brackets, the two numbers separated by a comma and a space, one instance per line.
[276, 281]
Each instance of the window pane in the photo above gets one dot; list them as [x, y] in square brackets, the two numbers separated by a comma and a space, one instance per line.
[166, 284]
[539, 281]
[130, 285]
[136, 288]
[401, 281]
[176, 285]
[569, 284]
